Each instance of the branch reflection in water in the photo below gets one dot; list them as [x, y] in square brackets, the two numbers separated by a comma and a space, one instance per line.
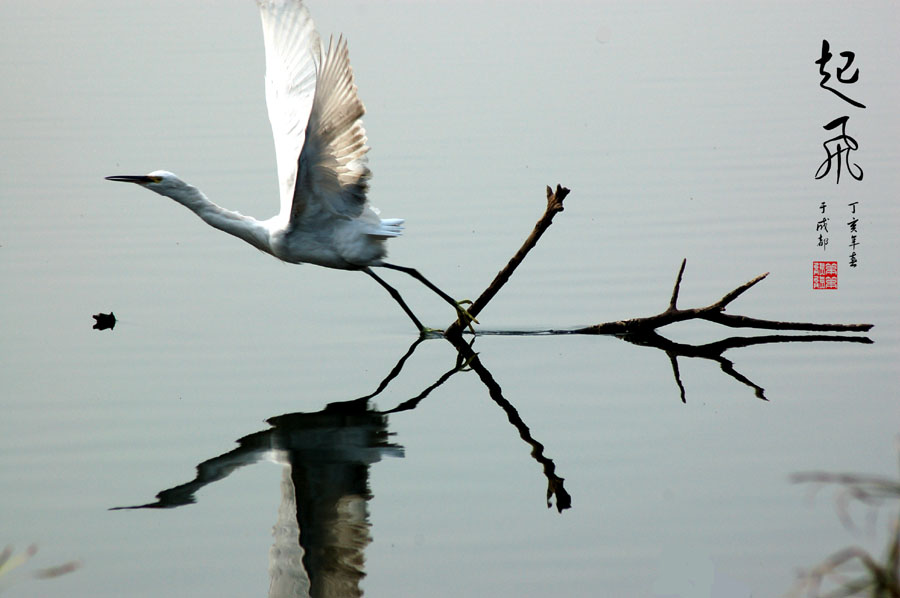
[323, 525]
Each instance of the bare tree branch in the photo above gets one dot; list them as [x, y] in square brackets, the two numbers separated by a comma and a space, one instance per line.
[677, 288]
[714, 312]
[554, 206]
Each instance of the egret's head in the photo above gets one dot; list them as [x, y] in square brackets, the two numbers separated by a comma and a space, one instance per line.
[158, 180]
[162, 182]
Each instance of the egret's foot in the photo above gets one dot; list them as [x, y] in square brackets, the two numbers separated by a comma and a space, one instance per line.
[465, 365]
[463, 316]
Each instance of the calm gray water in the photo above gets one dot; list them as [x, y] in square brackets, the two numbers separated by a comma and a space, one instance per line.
[684, 131]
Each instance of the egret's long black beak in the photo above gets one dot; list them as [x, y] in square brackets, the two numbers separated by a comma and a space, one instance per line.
[129, 178]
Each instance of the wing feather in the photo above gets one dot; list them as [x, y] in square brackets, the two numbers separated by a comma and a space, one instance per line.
[332, 166]
[293, 54]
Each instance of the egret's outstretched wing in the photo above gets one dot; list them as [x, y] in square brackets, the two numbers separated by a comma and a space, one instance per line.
[293, 55]
[332, 169]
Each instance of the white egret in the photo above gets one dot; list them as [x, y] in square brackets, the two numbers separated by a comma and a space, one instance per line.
[320, 149]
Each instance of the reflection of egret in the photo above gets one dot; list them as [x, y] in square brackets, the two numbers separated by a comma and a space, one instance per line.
[323, 522]
[320, 149]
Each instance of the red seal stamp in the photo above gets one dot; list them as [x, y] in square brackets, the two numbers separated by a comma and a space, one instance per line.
[825, 275]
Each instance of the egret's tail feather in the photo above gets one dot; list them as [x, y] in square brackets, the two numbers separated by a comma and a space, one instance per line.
[392, 227]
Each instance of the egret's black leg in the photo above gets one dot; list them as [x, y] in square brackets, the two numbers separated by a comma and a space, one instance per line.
[396, 295]
[465, 318]
[415, 274]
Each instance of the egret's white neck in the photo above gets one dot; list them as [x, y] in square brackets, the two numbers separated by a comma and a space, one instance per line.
[249, 229]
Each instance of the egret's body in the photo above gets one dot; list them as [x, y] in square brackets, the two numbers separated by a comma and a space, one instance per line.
[320, 149]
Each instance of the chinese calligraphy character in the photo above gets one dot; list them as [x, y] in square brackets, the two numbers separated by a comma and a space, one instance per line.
[837, 151]
[841, 152]
[822, 227]
[853, 224]
[826, 76]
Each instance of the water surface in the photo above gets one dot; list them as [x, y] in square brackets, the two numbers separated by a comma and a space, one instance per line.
[684, 131]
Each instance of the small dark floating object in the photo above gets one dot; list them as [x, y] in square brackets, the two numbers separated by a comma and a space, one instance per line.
[105, 321]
